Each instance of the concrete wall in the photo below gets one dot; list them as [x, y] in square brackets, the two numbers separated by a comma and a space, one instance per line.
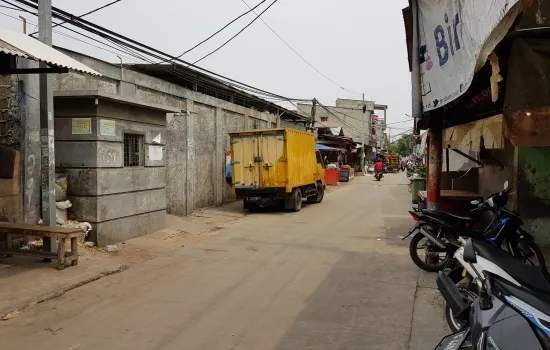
[285, 124]
[196, 134]
[120, 202]
[11, 136]
[534, 191]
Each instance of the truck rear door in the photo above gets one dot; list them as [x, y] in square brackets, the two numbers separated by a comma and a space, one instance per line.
[271, 159]
[258, 159]
[245, 170]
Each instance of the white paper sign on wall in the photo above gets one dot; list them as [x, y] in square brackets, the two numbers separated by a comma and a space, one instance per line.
[107, 127]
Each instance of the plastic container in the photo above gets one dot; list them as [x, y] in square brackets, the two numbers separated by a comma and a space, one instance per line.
[418, 184]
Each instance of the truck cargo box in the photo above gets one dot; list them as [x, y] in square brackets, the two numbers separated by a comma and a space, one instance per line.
[274, 160]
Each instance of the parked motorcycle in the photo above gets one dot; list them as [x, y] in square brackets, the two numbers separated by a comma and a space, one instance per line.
[512, 309]
[379, 175]
[489, 260]
[436, 234]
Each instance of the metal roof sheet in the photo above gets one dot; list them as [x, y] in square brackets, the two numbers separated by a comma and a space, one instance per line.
[21, 45]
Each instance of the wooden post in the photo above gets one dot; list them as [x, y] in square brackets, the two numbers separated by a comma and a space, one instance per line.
[434, 169]
[61, 253]
[447, 173]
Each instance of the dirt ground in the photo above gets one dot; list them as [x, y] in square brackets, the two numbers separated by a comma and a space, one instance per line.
[334, 276]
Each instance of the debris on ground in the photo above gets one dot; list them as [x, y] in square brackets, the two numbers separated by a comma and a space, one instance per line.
[10, 316]
[110, 248]
[84, 226]
[89, 244]
[61, 211]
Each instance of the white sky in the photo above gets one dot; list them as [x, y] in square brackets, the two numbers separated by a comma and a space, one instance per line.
[360, 44]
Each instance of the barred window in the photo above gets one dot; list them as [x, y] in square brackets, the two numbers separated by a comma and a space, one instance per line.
[133, 150]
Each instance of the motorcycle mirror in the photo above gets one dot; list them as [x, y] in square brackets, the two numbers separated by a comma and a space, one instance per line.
[469, 252]
[506, 185]
[475, 202]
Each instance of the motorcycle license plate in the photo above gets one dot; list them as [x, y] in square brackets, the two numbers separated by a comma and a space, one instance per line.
[453, 341]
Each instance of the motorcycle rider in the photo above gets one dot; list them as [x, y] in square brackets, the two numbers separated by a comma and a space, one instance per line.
[378, 166]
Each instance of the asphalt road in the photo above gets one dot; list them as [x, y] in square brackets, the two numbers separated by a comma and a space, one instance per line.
[334, 276]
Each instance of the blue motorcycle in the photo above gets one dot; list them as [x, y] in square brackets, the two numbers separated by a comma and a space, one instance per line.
[436, 234]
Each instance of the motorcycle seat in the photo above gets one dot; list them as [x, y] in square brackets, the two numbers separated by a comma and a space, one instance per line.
[529, 276]
[447, 216]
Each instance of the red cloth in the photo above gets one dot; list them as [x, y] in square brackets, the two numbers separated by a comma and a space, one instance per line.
[379, 166]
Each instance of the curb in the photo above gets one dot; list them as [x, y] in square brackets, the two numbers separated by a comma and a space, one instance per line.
[23, 305]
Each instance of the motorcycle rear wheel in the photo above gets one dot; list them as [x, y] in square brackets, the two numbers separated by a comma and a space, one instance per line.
[529, 249]
[469, 293]
[432, 262]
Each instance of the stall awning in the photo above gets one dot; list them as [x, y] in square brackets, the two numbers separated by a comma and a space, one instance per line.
[467, 137]
[322, 147]
[21, 45]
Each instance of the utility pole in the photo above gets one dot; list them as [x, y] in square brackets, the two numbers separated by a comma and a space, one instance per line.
[24, 24]
[364, 137]
[313, 109]
[47, 127]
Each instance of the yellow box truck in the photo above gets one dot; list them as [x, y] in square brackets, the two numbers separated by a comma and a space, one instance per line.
[277, 166]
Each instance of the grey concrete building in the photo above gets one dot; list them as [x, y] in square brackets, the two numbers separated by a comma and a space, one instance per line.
[143, 140]
[348, 115]
[112, 149]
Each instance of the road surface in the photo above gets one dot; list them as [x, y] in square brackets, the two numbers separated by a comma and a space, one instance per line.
[334, 276]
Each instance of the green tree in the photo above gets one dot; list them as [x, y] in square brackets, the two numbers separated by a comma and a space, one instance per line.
[402, 146]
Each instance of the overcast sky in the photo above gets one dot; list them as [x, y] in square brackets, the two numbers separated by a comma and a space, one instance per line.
[360, 44]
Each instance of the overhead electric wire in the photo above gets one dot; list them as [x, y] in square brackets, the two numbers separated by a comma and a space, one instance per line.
[85, 14]
[401, 122]
[344, 123]
[302, 57]
[404, 132]
[143, 48]
[122, 48]
[234, 36]
[9, 8]
[73, 37]
[217, 32]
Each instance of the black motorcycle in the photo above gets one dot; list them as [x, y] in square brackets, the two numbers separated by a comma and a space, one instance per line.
[378, 175]
[504, 315]
[437, 233]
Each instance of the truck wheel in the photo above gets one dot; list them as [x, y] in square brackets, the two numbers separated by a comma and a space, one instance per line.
[297, 196]
[319, 197]
[294, 202]
[251, 206]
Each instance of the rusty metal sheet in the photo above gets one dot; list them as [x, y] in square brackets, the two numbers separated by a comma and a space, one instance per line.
[527, 102]
[529, 127]
[534, 14]
[468, 136]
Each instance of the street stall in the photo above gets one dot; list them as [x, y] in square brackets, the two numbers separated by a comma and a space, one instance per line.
[331, 158]
[344, 159]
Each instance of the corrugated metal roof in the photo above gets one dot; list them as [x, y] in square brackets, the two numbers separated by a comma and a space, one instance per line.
[21, 45]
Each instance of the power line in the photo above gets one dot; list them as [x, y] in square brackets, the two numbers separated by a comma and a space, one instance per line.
[404, 132]
[128, 51]
[85, 14]
[216, 33]
[72, 37]
[140, 47]
[10, 8]
[239, 32]
[303, 59]
[344, 123]
[401, 122]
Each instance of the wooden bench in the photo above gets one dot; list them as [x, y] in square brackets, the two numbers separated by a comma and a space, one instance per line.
[61, 234]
